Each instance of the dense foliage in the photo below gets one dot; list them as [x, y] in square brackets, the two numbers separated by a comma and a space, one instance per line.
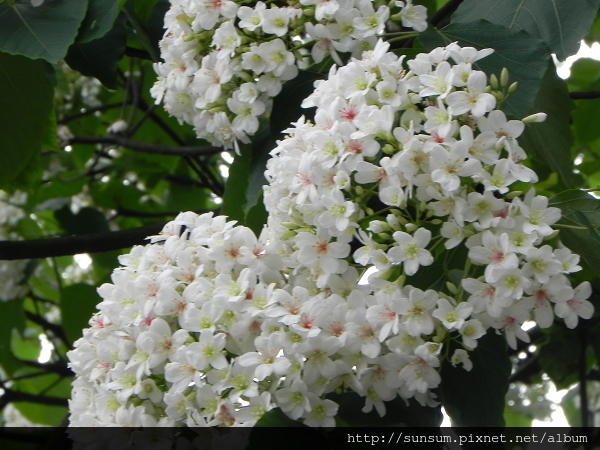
[91, 166]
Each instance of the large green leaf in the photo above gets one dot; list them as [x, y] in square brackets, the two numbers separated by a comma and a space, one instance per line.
[45, 31]
[50, 385]
[25, 105]
[77, 304]
[234, 199]
[100, 58]
[559, 357]
[99, 19]
[585, 76]
[13, 310]
[550, 142]
[580, 209]
[275, 426]
[476, 398]
[525, 57]
[561, 24]
[398, 412]
[144, 8]
[286, 106]
[86, 221]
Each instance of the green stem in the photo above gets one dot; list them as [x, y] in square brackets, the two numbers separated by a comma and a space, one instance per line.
[375, 214]
[403, 38]
[570, 227]
[465, 275]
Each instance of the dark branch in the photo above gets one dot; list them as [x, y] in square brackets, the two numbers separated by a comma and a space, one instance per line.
[10, 396]
[73, 245]
[57, 330]
[137, 53]
[89, 111]
[589, 95]
[145, 147]
[141, 214]
[442, 15]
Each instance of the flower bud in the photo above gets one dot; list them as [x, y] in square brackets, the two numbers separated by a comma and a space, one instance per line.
[401, 280]
[388, 149]
[410, 227]
[551, 235]
[512, 195]
[513, 87]
[537, 117]
[288, 235]
[452, 287]
[504, 77]
[494, 81]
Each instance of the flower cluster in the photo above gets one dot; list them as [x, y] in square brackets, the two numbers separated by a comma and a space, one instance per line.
[11, 272]
[405, 173]
[224, 61]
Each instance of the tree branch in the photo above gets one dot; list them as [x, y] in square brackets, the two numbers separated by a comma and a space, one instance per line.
[145, 147]
[57, 330]
[10, 396]
[88, 111]
[589, 95]
[73, 245]
[444, 12]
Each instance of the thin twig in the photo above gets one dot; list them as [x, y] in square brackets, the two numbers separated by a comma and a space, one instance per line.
[145, 147]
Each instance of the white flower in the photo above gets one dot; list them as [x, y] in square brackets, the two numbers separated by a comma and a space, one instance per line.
[411, 250]
[578, 306]
[453, 317]
[473, 99]
[413, 16]
[461, 356]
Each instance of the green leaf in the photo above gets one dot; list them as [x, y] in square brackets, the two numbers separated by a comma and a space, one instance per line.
[476, 398]
[26, 98]
[585, 76]
[45, 31]
[44, 415]
[286, 106]
[525, 56]
[26, 348]
[100, 58]
[585, 72]
[550, 142]
[234, 198]
[14, 310]
[570, 405]
[559, 357]
[142, 32]
[561, 24]
[144, 8]
[516, 419]
[275, 426]
[99, 19]
[77, 304]
[397, 412]
[573, 204]
[49, 384]
[277, 418]
[86, 221]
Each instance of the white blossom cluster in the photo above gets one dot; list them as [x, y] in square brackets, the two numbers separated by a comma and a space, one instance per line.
[224, 61]
[401, 170]
[11, 272]
[405, 171]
